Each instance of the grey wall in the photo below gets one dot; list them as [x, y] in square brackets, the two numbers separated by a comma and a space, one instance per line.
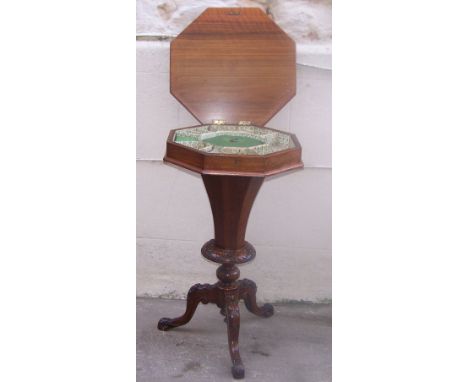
[290, 224]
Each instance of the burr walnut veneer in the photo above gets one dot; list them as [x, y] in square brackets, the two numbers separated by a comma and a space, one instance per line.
[233, 69]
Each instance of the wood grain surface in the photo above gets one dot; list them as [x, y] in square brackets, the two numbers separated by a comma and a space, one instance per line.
[233, 64]
[237, 65]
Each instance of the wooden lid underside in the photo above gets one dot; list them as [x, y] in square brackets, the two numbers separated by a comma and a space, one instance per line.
[233, 64]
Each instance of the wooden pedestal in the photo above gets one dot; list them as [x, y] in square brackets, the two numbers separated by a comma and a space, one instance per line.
[231, 199]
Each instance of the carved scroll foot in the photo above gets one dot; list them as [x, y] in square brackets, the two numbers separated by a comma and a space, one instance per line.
[238, 371]
[203, 293]
[233, 323]
[248, 292]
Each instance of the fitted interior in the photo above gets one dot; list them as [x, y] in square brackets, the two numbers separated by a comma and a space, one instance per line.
[234, 139]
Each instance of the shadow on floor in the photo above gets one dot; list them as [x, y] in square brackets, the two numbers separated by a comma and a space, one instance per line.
[293, 345]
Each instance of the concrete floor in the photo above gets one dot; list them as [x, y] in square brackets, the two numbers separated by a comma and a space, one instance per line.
[293, 345]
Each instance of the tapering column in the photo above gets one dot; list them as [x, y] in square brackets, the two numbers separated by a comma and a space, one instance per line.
[231, 199]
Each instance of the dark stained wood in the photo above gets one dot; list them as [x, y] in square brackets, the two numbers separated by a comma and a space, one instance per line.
[231, 199]
[231, 307]
[248, 292]
[204, 293]
[226, 294]
[234, 164]
[234, 64]
[237, 65]
[228, 256]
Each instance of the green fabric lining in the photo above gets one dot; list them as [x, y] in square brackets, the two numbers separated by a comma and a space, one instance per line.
[226, 140]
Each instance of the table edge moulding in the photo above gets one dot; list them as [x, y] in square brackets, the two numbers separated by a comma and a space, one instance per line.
[234, 65]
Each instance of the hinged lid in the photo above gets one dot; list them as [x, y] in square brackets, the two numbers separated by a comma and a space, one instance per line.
[233, 64]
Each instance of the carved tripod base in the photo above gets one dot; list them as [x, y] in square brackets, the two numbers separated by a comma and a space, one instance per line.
[226, 295]
[231, 199]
